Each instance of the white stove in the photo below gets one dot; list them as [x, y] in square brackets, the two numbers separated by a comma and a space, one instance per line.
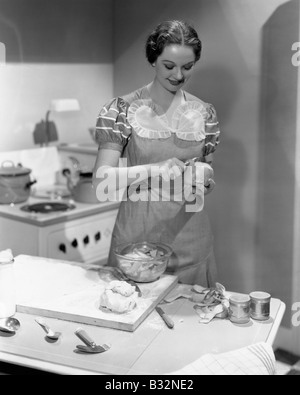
[82, 233]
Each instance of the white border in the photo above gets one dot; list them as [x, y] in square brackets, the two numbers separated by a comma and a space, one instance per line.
[296, 260]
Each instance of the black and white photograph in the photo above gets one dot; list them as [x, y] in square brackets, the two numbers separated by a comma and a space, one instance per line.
[150, 190]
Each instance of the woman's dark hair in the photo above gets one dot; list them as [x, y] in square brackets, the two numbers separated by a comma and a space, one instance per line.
[172, 32]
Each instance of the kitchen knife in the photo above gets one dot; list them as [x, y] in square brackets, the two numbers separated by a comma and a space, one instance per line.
[168, 321]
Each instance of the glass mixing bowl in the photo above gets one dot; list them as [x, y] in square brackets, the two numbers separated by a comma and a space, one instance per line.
[143, 262]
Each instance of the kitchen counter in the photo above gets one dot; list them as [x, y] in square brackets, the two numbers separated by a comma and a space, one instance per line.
[151, 349]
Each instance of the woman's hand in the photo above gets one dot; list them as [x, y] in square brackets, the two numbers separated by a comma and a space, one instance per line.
[202, 173]
[169, 169]
[209, 187]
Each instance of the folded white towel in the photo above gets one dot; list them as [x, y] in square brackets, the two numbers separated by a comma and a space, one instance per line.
[254, 360]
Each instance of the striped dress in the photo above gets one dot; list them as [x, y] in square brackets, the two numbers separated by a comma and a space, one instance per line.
[143, 133]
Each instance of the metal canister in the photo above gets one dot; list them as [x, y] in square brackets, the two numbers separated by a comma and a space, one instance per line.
[239, 309]
[260, 306]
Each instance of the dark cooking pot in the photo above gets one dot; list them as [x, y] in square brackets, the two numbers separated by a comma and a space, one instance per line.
[15, 183]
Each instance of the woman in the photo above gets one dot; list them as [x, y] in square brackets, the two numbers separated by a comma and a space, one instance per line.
[162, 126]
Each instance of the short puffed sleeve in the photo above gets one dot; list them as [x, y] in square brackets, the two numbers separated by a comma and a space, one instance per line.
[212, 131]
[112, 128]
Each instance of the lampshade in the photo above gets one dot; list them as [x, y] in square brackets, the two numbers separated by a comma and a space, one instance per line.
[63, 105]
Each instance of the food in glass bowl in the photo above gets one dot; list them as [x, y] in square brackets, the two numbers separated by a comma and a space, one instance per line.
[143, 262]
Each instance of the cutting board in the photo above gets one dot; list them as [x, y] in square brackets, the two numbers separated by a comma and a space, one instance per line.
[69, 291]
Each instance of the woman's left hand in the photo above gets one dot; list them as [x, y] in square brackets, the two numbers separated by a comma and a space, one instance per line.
[202, 173]
[209, 187]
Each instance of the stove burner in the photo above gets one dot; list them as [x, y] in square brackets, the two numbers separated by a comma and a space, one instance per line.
[48, 207]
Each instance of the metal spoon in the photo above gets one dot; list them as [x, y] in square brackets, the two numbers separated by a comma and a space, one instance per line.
[49, 332]
[10, 325]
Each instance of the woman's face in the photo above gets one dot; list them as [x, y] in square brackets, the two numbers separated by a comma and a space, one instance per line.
[175, 66]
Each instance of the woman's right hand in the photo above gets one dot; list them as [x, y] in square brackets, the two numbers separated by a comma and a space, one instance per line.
[169, 169]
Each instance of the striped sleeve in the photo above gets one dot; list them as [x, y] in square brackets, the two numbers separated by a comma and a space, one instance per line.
[112, 129]
[212, 131]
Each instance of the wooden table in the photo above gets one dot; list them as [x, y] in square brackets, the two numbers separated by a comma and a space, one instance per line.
[151, 349]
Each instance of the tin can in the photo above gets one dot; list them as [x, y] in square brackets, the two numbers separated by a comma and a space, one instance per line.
[239, 309]
[260, 306]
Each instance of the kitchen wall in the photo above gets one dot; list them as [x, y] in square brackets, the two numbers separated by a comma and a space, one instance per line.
[277, 223]
[229, 76]
[54, 49]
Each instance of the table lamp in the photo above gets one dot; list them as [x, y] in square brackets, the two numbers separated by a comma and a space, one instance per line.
[45, 131]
